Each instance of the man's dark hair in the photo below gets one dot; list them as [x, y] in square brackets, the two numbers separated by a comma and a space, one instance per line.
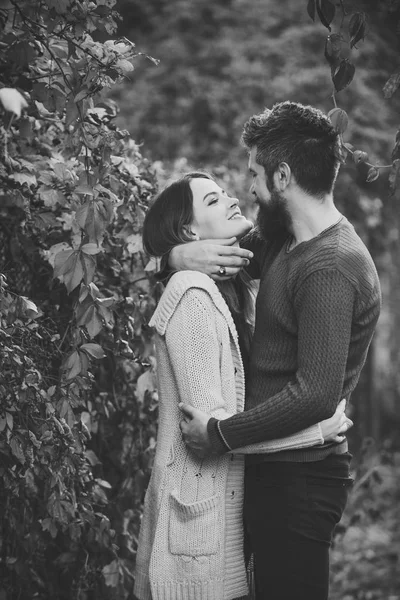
[301, 136]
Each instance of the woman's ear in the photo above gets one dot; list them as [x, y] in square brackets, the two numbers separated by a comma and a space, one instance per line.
[191, 232]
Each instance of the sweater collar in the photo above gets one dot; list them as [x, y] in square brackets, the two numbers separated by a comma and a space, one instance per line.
[177, 286]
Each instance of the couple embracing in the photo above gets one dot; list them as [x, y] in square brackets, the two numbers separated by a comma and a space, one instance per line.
[251, 437]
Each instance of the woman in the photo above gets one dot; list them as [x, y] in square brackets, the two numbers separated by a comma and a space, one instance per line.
[191, 538]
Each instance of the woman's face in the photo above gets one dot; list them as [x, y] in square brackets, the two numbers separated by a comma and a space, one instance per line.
[215, 214]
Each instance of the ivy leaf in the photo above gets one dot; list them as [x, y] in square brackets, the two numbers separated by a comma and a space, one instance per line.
[29, 308]
[93, 322]
[394, 176]
[22, 54]
[71, 112]
[134, 243]
[153, 265]
[72, 365]
[339, 119]
[25, 129]
[357, 28]
[60, 6]
[107, 315]
[311, 9]
[124, 66]
[343, 75]
[102, 11]
[66, 411]
[373, 174]
[62, 172]
[39, 92]
[91, 248]
[333, 48]
[49, 525]
[61, 264]
[54, 250]
[81, 95]
[92, 458]
[84, 363]
[24, 178]
[10, 421]
[68, 268]
[392, 84]
[326, 12]
[359, 156]
[94, 350]
[83, 293]
[145, 383]
[111, 574]
[74, 275]
[84, 189]
[16, 449]
[89, 267]
[103, 483]
[51, 197]
[93, 217]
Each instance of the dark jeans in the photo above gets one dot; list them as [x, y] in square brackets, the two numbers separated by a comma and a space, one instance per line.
[291, 510]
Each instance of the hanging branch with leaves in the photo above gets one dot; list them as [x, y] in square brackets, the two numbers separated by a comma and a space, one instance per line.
[351, 27]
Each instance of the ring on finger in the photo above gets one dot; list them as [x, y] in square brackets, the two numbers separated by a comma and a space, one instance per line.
[222, 271]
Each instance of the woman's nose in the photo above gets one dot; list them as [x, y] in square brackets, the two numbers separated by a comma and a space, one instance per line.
[233, 202]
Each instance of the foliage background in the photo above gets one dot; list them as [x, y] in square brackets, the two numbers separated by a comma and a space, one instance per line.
[77, 432]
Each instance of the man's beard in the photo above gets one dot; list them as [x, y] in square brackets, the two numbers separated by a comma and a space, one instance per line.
[273, 219]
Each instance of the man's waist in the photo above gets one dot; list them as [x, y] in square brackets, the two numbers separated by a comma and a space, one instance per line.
[314, 453]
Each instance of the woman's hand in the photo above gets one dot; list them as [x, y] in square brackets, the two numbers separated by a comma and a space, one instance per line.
[334, 428]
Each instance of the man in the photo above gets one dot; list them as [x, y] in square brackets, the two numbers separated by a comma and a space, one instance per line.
[317, 308]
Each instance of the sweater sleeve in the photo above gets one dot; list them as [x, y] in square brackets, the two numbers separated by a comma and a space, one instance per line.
[194, 351]
[311, 436]
[324, 305]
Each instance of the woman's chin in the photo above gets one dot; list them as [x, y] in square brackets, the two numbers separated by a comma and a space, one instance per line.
[244, 228]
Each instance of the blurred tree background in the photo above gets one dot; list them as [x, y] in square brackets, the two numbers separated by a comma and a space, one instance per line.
[77, 436]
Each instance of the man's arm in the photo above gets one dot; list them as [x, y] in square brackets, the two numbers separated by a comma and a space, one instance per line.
[208, 256]
[324, 306]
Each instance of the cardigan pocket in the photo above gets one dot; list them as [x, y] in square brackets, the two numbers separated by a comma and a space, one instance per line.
[193, 528]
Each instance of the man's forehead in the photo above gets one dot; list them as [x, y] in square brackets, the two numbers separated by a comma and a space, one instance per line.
[252, 162]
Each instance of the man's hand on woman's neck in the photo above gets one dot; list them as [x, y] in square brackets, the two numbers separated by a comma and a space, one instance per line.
[208, 256]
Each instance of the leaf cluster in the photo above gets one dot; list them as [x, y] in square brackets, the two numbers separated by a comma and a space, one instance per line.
[77, 367]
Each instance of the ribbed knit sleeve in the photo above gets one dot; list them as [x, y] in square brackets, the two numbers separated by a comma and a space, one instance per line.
[194, 351]
[324, 305]
[311, 436]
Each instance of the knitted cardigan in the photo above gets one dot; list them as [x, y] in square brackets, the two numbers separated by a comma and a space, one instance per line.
[191, 537]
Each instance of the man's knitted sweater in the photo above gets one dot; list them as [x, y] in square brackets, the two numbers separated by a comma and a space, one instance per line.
[316, 312]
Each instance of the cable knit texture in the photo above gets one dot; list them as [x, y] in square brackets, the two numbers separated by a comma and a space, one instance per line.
[316, 312]
[191, 537]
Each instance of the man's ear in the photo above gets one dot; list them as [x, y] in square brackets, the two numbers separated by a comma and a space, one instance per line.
[282, 176]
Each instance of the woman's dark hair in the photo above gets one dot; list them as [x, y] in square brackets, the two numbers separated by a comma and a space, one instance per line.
[166, 225]
[169, 216]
